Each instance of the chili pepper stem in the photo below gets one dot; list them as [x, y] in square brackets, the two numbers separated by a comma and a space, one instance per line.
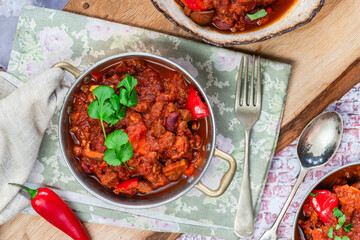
[32, 192]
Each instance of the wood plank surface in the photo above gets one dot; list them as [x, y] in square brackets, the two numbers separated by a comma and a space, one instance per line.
[324, 55]
[30, 227]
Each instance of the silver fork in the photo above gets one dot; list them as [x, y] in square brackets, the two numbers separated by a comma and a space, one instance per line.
[247, 111]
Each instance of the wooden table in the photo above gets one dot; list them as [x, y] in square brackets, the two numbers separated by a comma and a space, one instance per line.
[324, 55]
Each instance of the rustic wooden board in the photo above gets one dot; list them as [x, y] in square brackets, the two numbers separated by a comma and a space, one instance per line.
[324, 55]
[30, 227]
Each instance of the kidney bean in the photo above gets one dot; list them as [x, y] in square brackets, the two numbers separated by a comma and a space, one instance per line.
[170, 121]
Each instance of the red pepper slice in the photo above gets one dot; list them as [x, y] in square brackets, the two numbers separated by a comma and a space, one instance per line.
[324, 202]
[197, 107]
[96, 75]
[268, 9]
[51, 207]
[195, 5]
[128, 184]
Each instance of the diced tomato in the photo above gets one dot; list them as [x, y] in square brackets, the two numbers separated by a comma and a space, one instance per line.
[190, 170]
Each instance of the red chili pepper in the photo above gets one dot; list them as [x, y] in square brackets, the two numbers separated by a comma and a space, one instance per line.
[324, 202]
[128, 184]
[51, 207]
[197, 107]
[195, 5]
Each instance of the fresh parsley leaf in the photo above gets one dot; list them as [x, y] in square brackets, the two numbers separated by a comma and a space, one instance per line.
[348, 228]
[116, 139]
[112, 119]
[94, 109]
[121, 114]
[107, 106]
[111, 158]
[337, 238]
[126, 152]
[313, 194]
[132, 101]
[103, 92]
[124, 96]
[129, 82]
[101, 108]
[345, 238]
[331, 232]
[115, 102]
[120, 150]
[341, 221]
[257, 15]
[128, 94]
[337, 212]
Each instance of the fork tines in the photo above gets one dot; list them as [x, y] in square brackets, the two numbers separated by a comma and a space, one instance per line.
[242, 97]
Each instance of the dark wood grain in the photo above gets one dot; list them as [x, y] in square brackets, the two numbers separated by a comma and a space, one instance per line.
[341, 85]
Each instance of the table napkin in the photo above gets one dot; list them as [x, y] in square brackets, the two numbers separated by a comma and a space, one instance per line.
[46, 36]
[25, 113]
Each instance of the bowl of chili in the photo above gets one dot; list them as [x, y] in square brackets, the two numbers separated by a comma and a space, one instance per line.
[226, 23]
[329, 209]
[138, 131]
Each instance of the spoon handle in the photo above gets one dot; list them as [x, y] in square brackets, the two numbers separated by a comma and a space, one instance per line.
[244, 218]
[271, 233]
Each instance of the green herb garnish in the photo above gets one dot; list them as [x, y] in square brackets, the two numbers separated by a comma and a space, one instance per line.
[109, 106]
[314, 194]
[257, 15]
[119, 149]
[128, 94]
[345, 238]
[341, 221]
[348, 227]
[101, 108]
[331, 232]
[337, 238]
[337, 212]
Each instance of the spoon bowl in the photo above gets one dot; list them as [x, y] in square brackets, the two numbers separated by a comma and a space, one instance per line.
[317, 144]
[319, 140]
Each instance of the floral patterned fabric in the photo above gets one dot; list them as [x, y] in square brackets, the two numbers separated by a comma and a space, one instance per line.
[45, 37]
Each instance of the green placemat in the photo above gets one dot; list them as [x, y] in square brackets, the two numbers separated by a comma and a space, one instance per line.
[45, 37]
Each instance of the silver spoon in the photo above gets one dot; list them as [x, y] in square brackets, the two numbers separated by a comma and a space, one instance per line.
[317, 144]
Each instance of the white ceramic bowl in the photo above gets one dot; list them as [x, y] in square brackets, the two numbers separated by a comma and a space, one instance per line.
[301, 13]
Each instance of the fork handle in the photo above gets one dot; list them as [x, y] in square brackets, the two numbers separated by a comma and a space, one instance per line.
[244, 219]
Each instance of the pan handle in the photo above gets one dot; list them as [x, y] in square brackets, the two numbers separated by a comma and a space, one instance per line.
[68, 67]
[225, 180]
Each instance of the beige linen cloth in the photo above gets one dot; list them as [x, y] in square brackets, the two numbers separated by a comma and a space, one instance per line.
[25, 112]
